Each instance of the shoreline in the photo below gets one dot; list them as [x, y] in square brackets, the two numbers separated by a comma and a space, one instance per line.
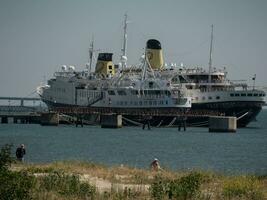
[118, 179]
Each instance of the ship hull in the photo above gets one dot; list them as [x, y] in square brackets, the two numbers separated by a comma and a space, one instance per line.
[245, 112]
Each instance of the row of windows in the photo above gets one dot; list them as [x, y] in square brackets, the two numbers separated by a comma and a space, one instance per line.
[85, 94]
[235, 95]
[141, 92]
[247, 94]
[141, 103]
[210, 98]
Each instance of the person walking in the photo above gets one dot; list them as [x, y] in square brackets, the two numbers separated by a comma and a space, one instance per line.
[20, 152]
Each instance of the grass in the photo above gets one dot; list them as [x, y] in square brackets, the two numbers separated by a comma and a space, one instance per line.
[75, 180]
[131, 183]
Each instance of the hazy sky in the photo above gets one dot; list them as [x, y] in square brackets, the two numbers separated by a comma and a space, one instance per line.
[38, 36]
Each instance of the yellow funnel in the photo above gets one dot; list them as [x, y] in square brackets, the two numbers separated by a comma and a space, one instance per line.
[154, 54]
[104, 65]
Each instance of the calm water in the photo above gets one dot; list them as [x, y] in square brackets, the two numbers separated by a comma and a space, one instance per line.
[243, 152]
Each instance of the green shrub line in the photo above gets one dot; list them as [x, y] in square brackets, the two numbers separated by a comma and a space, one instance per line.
[57, 182]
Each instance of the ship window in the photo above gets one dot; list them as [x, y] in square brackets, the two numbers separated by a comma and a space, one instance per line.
[168, 93]
[196, 98]
[134, 92]
[243, 95]
[110, 67]
[145, 92]
[157, 92]
[150, 84]
[263, 95]
[111, 92]
[260, 95]
[218, 97]
[182, 79]
[150, 103]
[154, 103]
[125, 103]
[237, 95]
[255, 95]
[140, 103]
[203, 98]
[249, 94]
[210, 97]
[145, 103]
[166, 102]
[231, 94]
[121, 92]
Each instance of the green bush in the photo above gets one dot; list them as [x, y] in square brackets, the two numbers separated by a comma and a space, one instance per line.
[159, 188]
[183, 188]
[67, 185]
[186, 187]
[5, 157]
[14, 185]
[242, 187]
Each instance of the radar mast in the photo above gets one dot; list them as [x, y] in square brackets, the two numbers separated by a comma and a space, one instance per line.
[210, 60]
[124, 47]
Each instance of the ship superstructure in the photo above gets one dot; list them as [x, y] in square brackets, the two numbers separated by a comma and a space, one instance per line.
[217, 94]
[108, 88]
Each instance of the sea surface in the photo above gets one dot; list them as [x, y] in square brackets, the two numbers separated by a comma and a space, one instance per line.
[243, 152]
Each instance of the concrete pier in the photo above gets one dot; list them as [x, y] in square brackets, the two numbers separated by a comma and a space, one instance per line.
[181, 121]
[222, 124]
[79, 121]
[49, 119]
[111, 121]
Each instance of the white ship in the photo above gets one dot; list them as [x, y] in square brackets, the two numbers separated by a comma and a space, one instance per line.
[111, 88]
[211, 90]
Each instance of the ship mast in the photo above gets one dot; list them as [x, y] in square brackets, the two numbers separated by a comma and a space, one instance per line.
[91, 51]
[210, 60]
[124, 47]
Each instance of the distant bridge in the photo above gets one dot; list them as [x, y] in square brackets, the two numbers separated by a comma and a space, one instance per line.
[20, 111]
[21, 99]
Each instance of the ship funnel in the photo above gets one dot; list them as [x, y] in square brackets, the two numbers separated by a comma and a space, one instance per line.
[104, 65]
[154, 54]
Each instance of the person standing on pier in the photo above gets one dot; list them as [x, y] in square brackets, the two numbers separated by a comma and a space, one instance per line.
[20, 152]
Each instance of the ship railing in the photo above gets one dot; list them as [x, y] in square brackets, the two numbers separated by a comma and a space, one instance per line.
[216, 89]
[64, 74]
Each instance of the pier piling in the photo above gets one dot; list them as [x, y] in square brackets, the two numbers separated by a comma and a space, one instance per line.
[181, 121]
[49, 119]
[111, 121]
[222, 124]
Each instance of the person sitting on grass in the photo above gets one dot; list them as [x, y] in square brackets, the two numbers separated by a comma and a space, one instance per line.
[155, 165]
